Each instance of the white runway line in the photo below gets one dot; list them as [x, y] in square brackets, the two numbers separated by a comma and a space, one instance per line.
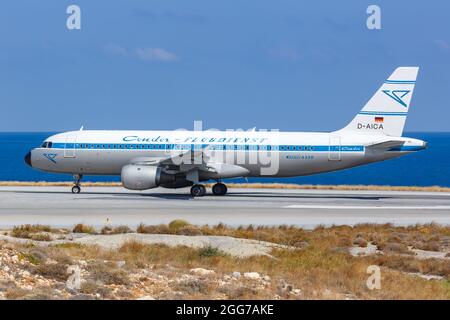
[313, 206]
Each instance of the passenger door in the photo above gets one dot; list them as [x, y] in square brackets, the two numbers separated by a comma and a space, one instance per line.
[334, 149]
[69, 146]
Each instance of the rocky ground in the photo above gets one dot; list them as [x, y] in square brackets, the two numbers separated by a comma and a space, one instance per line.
[34, 273]
[163, 262]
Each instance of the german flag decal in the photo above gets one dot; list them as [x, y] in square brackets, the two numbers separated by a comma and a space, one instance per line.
[379, 119]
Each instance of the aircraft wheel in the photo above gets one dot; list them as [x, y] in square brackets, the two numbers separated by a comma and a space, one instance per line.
[198, 190]
[219, 189]
[76, 189]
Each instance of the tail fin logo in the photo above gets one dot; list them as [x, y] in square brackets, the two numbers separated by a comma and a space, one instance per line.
[397, 95]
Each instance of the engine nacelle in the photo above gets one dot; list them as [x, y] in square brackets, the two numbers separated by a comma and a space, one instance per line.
[142, 177]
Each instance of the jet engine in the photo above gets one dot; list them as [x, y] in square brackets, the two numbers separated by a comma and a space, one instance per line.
[142, 177]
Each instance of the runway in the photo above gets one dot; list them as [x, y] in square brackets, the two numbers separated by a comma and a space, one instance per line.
[98, 206]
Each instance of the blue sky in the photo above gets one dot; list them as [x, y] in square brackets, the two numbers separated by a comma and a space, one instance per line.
[289, 65]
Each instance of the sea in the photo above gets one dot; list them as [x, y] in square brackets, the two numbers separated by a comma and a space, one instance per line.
[430, 167]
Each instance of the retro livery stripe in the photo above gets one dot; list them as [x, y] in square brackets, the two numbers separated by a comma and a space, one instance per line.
[220, 147]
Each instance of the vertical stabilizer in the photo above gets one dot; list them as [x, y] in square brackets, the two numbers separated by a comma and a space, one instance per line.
[386, 111]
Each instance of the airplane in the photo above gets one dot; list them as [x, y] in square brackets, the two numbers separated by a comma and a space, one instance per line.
[176, 159]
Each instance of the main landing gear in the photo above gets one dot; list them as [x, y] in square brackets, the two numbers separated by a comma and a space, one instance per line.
[199, 190]
[219, 189]
[76, 188]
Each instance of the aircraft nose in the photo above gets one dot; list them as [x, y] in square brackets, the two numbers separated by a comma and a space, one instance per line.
[28, 159]
[425, 144]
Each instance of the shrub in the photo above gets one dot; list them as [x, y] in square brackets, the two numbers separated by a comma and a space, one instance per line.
[82, 228]
[210, 251]
[30, 258]
[392, 247]
[41, 237]
[159, 229]
[428, 246]
[344, 242]
[91, 287]
[16, 293]
[360, 242]
[108, 274]
[193, 286]
[177, 224]
[436, 267]
[189, 231]
[26, 231]
[133, 247]
[122, 229]
[54, 271]
[116, 230]
[106, 230]
[219, 226]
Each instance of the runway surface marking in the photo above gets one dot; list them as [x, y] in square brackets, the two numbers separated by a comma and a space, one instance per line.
[306, 206]
[98, 206]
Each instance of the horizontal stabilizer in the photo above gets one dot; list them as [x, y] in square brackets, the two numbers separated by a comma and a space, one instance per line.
[386, 145]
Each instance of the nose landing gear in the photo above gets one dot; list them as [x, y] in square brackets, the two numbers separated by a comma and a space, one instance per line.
[76, 188]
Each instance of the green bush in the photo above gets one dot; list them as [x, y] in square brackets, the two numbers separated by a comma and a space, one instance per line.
[175, 225]
[210, 251]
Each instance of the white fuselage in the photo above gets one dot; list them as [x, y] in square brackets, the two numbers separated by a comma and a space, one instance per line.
[276, 154]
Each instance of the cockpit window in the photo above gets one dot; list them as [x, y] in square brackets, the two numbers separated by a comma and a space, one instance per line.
[47, 144]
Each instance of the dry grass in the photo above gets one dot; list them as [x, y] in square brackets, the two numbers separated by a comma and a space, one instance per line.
[107, 274]
[316, 270]
[34, 232]
[53, 271]
[82, 228]
[249, 185]
[115, 230]
[320, 268]
[153, 229]
[285, 235]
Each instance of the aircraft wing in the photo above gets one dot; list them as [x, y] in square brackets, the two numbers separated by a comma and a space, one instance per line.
[186, 161]
[181, 158]
[182, 161]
